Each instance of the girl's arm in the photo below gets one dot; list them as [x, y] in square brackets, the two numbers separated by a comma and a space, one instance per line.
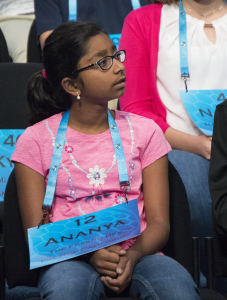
[154, 237]
[31, 189]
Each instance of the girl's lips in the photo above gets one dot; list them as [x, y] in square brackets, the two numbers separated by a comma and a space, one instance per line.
[121, 83]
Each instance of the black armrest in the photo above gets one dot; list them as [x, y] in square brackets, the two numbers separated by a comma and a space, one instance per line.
[209, 247]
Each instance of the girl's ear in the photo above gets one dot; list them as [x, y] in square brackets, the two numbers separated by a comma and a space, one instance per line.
[71, 87]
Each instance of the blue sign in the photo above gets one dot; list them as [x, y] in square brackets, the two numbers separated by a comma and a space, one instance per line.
[59, 241]
[201, 105]
[8, 139]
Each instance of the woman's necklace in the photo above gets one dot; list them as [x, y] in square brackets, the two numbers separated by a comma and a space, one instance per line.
[204, 16]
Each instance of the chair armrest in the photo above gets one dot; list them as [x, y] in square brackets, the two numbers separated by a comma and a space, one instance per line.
[209, 247]
[196, 260]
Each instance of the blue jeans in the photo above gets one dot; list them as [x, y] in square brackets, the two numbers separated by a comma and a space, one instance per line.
[155, 277]
[193, 170]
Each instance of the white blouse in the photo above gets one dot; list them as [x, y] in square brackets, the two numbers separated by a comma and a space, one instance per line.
[207, 64]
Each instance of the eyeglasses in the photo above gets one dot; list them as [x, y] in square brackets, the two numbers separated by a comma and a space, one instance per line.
[106, 62]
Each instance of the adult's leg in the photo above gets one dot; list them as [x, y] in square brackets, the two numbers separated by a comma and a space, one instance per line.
[158, 277]
[193, 170]
[16, 31]
[71, 280]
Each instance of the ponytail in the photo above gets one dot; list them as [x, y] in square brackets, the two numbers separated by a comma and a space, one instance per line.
[43, 100]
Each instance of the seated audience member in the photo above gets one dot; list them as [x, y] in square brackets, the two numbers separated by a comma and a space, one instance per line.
[218, 170]
[81, 75]
[151, 39]
[16, 17]
[110, 14]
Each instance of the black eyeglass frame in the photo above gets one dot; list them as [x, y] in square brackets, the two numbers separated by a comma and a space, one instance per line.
[97, 63]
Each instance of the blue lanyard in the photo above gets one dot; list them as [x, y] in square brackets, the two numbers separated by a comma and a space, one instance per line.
[73, 8]
[57, 154]
[183, 45]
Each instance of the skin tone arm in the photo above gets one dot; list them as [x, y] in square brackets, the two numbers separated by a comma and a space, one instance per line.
[200, 145]
[31, 189]
[154, 237]
[43, 37]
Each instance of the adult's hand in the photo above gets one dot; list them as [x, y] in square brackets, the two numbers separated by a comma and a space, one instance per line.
[204, 146]
[105, 261]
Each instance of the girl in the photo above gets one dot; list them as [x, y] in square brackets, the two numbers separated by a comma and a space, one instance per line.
[83, 71]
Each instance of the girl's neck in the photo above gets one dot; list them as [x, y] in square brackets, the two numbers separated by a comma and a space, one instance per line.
[92, 119]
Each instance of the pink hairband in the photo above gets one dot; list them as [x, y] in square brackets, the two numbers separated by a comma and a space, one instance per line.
[44, 74]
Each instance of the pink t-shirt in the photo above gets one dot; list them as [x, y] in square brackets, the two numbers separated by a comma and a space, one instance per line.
[88, 176]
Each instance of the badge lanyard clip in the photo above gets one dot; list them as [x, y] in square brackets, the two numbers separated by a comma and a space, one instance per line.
[185, 78]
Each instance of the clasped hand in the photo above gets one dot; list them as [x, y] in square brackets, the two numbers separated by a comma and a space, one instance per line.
[115, 266]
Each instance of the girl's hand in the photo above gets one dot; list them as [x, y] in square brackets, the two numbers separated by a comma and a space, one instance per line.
[105, 261]
[124, 269]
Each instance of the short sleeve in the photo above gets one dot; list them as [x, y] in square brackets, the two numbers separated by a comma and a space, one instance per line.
[155, 146]
[28, 152]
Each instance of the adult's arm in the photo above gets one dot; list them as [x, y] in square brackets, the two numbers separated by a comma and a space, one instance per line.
[218, 167]
[139, 38]
[48, 17]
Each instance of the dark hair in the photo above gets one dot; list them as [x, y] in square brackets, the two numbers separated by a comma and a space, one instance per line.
[63, 49]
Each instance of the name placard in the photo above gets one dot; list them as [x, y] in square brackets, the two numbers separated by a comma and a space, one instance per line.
[8, 139]
[59, 241]
[201, 105]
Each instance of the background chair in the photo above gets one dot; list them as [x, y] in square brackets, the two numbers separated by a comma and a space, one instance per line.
[13, 103]
[13, 83]
[14, 258]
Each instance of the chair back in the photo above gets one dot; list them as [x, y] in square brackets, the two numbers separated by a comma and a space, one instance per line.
[16, 250]
[13, 90]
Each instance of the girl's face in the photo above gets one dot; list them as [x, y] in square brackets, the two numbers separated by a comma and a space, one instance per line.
[100, 86]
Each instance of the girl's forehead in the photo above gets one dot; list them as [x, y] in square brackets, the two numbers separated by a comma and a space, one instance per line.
[100, 43]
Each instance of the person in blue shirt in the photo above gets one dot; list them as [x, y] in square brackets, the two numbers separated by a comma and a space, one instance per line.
[109, 14]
